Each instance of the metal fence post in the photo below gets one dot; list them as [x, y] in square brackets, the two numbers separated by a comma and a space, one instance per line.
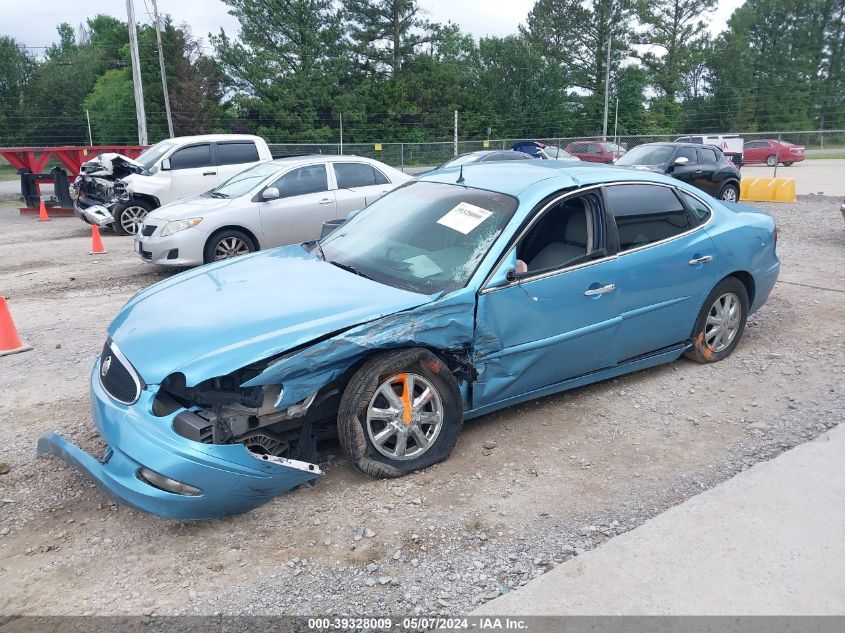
[777, 157]
[402, 155]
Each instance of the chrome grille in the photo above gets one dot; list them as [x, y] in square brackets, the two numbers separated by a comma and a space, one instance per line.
[117, 376]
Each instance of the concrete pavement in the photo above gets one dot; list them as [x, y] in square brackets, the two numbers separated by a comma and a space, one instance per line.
[769, 541]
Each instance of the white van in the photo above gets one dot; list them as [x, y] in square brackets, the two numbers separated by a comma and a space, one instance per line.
[730, 144]
[170, 170]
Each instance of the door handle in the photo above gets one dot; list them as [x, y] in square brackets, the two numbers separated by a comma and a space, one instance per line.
[603, 290]
[701, 260]
[209, 173]
[326, 201]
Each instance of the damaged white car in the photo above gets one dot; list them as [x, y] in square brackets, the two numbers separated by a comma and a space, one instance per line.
[116, 190]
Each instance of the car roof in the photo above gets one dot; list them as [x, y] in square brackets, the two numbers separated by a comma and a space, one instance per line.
[675, 144]
[323, 158]
[214, 138]
[536, 177]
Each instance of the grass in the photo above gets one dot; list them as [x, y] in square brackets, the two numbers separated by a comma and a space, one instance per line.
[824, 156]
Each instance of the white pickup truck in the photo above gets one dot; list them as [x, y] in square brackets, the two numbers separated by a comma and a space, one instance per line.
[173, 169]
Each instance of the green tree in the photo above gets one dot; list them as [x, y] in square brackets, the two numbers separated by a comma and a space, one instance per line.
[285, 67]
[16, 67]
[575, 35]
[677, 30]
[386, 33]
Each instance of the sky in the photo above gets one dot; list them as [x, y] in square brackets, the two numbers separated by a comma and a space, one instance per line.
[35, 26]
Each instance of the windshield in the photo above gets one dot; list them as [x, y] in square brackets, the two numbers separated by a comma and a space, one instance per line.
[150, 155]
[652, 155]
[557, 152]
[612, 147]
[245, 181]
[425, 237]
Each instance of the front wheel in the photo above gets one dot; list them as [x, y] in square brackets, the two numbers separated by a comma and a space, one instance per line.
[227, 244]
[400, 412]
[720, 323]
[129, 216]
[729, 193]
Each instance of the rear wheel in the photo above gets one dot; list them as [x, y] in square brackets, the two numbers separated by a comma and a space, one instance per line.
[729, 192]
[227, 244]
[400, 412]
[129, 216]
[720, 323]
[771, 160]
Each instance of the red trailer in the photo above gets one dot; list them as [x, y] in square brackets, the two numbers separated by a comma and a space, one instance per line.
[31, 161]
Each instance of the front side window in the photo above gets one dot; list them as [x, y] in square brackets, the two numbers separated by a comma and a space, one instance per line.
[191, 157]
[237, 153]
[569, 233]
[351, 175]
[689, 153]
[424, 237]
[645, 214]
[298, 182]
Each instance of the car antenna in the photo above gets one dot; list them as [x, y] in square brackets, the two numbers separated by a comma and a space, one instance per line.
[461, 175]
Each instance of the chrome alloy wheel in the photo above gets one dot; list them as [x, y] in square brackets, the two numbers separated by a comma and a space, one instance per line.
[729, 194]
[131, 219]
[404, 417]
[230, 247]
[723, 322]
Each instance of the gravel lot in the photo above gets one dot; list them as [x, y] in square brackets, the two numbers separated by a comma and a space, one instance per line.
[525, 489]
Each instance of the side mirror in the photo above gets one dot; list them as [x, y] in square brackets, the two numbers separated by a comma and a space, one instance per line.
[165, 164]
[506, 273]
[271, 193]
[681, 160]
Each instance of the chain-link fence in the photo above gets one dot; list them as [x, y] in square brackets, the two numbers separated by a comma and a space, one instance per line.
[414, 156]
[818, 143]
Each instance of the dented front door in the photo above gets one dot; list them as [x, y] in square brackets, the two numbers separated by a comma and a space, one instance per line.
[538, 332]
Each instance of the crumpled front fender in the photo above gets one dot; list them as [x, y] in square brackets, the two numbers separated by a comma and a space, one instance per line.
[445, 324]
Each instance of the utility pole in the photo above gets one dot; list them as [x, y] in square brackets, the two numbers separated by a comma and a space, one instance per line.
[163, 75]
[606, 87]
[456, 132]
[615, 127]
[136, 76]
[341, 133]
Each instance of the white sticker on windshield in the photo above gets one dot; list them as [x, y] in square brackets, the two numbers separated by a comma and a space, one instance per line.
[465, 217]
[422, 266]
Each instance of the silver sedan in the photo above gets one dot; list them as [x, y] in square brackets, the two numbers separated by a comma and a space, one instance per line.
[274, 203]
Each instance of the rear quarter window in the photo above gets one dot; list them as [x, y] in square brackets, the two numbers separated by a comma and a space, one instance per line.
[700, 210]
[645, 214]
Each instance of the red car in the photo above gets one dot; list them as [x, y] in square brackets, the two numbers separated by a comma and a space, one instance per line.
[772, 152]
[595, 151]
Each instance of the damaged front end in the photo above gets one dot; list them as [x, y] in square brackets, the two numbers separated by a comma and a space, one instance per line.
[226, 454]
[99, 184]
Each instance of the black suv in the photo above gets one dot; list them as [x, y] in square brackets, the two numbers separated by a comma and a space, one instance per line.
[702, 166]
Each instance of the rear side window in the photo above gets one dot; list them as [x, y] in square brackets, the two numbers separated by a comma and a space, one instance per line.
[191, 157]
[706, 155]
[645, 214]
[311, 179]
[236, 153]
[350, 175]
[699, 209]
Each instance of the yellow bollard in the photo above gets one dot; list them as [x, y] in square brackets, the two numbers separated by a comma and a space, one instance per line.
[767, 189]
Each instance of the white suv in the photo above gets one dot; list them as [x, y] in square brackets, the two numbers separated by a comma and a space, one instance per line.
[171, 170]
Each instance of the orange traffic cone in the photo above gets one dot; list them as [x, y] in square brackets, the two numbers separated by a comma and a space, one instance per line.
[10, 342]
[42, 213]
[97, 247]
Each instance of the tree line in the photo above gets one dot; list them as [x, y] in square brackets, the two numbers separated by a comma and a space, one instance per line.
[296, 67]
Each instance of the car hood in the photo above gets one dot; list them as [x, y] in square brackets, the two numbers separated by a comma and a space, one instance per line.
[190, 208]
[218, 318]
